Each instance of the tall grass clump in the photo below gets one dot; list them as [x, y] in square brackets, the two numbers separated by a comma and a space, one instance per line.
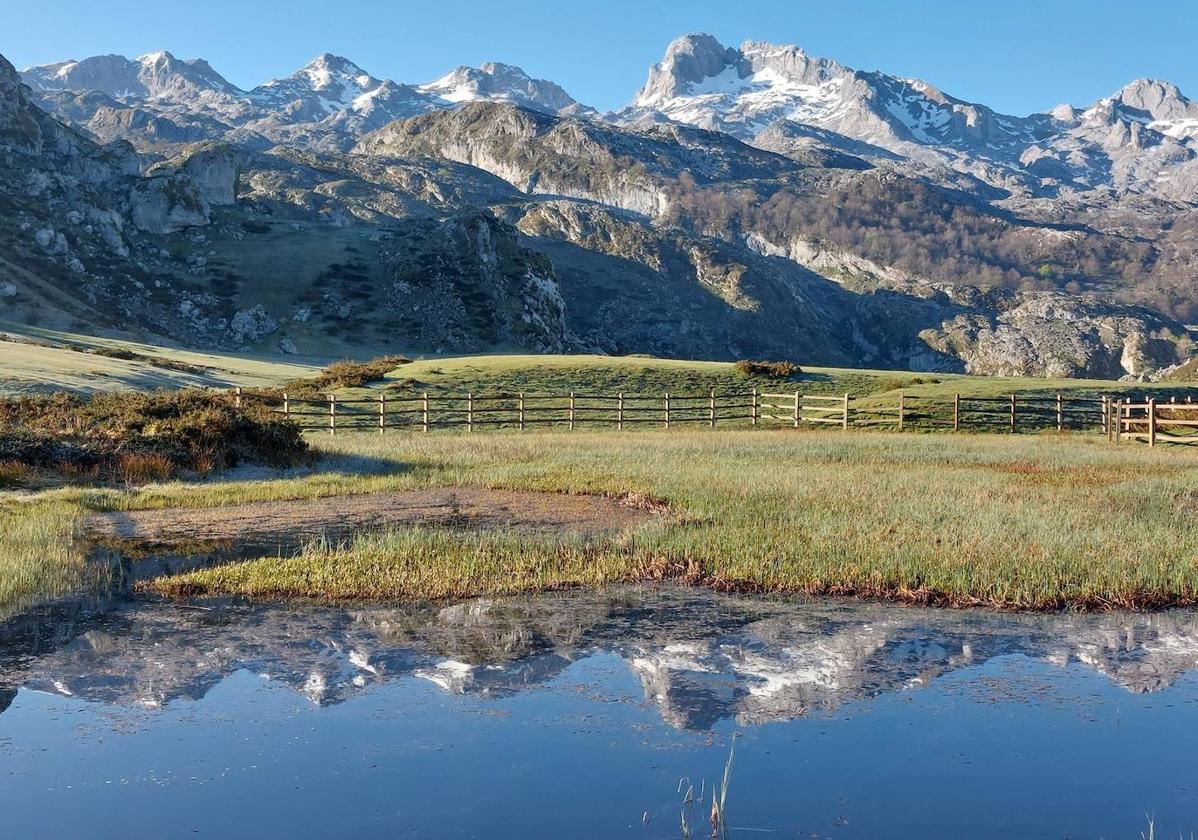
[41, 557]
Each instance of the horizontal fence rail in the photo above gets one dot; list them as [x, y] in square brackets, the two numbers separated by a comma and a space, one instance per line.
[1119, 419]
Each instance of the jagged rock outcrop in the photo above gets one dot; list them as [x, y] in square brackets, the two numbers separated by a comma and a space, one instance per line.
[215, 171]
[1060, 336]
[545, 155]
[633, 287]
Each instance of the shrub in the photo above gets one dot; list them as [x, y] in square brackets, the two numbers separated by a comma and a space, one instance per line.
[114, 353]
[899, 384]
[145, 436]
[769, 370]
[347, 374]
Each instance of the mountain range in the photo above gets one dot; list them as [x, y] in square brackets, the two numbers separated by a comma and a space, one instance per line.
[750, 200]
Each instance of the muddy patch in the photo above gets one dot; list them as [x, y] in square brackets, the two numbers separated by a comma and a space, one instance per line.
[175, 539]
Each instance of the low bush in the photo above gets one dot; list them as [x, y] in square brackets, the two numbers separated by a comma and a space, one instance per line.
[769, 370]
[128, 355]
[143, 436]
[346, 374]
[897, 384]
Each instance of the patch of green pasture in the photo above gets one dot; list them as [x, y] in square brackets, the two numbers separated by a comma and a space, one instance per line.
[1031, 522]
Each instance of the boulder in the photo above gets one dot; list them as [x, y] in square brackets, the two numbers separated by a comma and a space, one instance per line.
[214, 170]
[252, 324]
[166, 204]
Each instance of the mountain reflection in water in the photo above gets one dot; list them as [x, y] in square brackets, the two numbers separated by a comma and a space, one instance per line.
[701, 657]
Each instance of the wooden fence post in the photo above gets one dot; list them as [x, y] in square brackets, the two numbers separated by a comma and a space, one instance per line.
[332, 414]
[286, 405]
[1060, 414]
[844, 420]
[571, 411]
[798, 408]
[667, 409]
[237, 397]
[1152, 422]
[424, 411]
[521, 406]
[620, 411]
[956, 412]
[470, 412]
[382, 413]
[713, 408]
[1012, 412]
[753, 408]
[902, 409]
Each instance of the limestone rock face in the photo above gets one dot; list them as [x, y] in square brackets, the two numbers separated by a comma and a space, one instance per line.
[486, 289]
[166, 204]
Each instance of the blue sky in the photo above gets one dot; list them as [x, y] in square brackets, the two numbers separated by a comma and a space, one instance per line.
[1018, 56]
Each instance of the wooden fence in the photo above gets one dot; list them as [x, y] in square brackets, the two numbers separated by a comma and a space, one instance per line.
[1154, 421]
[1119, 419]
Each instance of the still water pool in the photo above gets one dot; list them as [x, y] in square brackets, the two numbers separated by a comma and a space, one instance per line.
[577, 715]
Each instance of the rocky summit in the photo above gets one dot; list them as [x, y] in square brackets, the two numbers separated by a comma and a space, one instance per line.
[751, 201]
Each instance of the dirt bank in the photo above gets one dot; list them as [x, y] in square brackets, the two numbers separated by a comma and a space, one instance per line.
[288, 524]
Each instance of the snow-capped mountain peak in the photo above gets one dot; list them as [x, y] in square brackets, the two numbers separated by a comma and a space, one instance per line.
[500, 82]
[328, 70]
[1157, 105]
[334, 99]
[744, 90]
[334, 81]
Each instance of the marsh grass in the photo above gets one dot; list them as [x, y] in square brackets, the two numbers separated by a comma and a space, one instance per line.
[41, 557]
[1015, 522]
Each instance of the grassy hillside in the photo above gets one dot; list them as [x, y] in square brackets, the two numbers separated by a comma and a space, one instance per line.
[641, 374]
[40, 360]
